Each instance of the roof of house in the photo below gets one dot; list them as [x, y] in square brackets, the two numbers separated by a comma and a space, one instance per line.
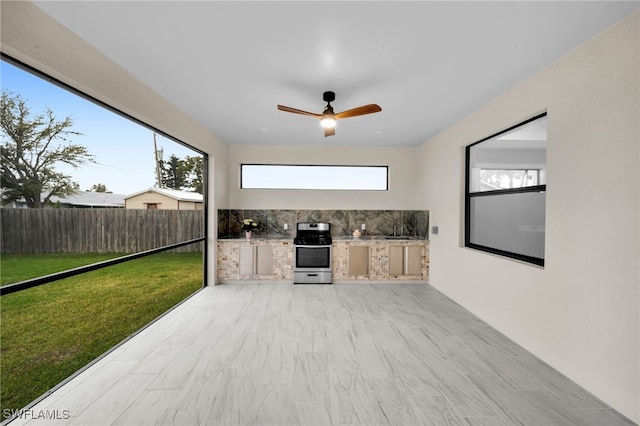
[173, 193]
[91, 199]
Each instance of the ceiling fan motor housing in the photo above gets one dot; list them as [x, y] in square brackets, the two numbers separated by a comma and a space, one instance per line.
[329, 96]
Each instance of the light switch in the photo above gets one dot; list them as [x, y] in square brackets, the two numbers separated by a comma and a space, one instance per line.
[363, 226]
[286, 226]
[434, 230]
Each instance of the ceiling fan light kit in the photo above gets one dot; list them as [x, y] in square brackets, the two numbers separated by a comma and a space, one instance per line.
[328, 118]
[328, 121]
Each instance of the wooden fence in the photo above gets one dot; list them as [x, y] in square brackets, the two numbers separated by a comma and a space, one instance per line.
[98, 230]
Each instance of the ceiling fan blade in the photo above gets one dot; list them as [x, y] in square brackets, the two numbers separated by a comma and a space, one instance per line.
[298, 111]
[362, 110]
[329, 131]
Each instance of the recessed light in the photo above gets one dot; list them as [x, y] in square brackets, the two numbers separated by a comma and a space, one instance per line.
[264, 129]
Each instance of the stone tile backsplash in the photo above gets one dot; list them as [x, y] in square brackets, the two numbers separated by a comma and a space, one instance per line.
[408, 223]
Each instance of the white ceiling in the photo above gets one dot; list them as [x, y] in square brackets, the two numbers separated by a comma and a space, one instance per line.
[427, 64]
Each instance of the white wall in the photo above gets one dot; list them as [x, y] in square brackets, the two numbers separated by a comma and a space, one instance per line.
[580, 312]
[402, 177]
[32, 37]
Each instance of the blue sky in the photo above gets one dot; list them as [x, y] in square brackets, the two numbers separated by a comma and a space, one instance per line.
[123, 150]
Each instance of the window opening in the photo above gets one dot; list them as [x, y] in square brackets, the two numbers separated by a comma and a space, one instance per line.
[505, 192]
[314, 177]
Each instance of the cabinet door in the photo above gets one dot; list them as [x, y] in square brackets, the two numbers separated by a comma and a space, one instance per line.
[358, 260]
[412, 260]
[264, 260]
[246, 263]
[405, 260]
[256, 260]
[396, 260]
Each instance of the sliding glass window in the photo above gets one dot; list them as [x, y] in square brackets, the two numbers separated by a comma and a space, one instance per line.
[506, 176]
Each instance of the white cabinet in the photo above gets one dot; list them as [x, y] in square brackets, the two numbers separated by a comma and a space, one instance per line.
[405, 260]
[358, 260]
[255, 260]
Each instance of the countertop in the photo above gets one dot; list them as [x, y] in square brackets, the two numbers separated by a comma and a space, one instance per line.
[377, 238]
[256, 238]
[334, 238]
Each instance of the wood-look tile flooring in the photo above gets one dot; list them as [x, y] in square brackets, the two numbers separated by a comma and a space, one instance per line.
[343, 354]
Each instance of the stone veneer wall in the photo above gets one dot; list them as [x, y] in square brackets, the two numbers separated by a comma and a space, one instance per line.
[229, 260]
[378, 260]
[229, 255]
[411, 223]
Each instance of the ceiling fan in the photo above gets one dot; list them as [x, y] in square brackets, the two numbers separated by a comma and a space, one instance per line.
[328, 118]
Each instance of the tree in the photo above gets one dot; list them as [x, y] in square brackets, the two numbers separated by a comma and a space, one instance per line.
[195, 165]
[99, 187]
[174, 173]
[183, 174]
[31, 148]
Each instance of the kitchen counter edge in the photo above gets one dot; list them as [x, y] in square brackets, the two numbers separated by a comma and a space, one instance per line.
[335, 239]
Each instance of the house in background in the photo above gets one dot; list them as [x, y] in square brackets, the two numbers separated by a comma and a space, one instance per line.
[164, 199]
[79, 200]
[90, 200]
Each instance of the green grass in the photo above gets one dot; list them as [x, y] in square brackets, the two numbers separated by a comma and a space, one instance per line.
[51, 331]
[19, 267]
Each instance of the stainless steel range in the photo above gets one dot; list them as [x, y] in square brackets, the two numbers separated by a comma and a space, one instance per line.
[312, 255]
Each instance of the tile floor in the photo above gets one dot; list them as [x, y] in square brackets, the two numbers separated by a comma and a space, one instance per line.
[345, 354]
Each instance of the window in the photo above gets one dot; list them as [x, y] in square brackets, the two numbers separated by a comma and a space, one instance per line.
[493, 179]
[274, 176]
[152, 206]
[506, 180]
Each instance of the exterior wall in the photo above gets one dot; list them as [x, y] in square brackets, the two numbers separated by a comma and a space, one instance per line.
[580, 312]
[189, 205]
[142, 200]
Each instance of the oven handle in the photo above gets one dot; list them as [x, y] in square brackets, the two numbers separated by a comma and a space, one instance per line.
[312, 246]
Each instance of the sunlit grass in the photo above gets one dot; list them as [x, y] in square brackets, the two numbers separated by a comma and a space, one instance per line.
[19, 267]
[51, 331]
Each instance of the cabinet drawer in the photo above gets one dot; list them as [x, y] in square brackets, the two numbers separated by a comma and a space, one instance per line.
[312, 277]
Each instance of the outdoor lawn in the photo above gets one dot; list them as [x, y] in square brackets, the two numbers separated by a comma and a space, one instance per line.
[50, 331]
[20, 267]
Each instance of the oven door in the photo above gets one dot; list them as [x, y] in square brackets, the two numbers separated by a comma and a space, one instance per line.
[312, 258]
